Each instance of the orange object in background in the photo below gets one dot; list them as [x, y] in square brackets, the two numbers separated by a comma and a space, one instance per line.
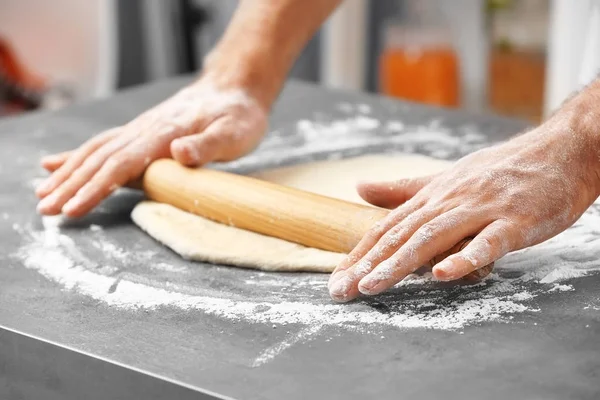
[20, 89]
[423, 74]
[418, 61]
[516, 83]
[12, 68]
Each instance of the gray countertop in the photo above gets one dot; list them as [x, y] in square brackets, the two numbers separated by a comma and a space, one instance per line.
[96, 309]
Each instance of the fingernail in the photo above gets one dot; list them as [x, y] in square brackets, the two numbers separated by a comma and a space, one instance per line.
[339, 289]
[71, 205]
[339, 272]
[46, 203]
[442, 270]
[369, 285]
[334, 278]
[371, 288]
[374, 283]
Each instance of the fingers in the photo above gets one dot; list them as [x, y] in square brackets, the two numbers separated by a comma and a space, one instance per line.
[54, 161]
[474, 276]
[479, 274]
[73, 162]
[381, 268]
[117, 170]
[214, 144]
[374, 234]
[197, 150]
[392, 194]
[489, 245]
[54, 202]
[344, 283]
[432, 238]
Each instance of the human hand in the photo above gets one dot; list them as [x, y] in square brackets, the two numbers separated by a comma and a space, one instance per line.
[507, 197]
[202, 123]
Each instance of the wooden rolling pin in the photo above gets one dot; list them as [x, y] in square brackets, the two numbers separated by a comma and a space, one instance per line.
[274, 210]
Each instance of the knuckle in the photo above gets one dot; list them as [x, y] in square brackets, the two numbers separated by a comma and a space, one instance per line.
[114, 163]
[80, 174]
[426, 232]
[491, 242]
[118, 165]
[380, 228]
[392, 238]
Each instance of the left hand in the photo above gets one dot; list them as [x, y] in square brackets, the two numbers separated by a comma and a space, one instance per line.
[507, 197]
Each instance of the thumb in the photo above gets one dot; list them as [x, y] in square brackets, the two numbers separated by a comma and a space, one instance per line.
[392, 194]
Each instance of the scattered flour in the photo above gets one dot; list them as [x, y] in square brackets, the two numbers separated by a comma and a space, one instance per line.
[417, 302]
[561, 288]
[496, 299]
[168, 267]
[349, 108]
[522, 296]
[350, 136]
[273, 351]
[394, 126]
[110, 249]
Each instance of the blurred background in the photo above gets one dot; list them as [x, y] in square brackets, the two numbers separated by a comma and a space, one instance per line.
[518, 58]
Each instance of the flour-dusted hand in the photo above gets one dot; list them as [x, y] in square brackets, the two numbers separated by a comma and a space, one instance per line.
[221, 117]
[199, 124]
[507, 197]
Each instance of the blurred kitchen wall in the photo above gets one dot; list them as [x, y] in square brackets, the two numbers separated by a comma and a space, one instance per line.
[99, 46]
[148, 29]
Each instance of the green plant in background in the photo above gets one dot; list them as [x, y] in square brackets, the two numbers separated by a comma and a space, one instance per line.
[492, 7]
[495, 5]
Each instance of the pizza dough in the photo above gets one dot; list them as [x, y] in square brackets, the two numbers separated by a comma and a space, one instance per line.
[200, 239]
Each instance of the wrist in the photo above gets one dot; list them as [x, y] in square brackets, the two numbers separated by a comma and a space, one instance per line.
[243, 69]
[261, 43]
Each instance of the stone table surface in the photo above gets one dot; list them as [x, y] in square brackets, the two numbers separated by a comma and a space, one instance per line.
[96, 309]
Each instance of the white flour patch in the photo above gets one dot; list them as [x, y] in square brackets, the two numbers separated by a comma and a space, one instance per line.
[561, 288]
[350, 108]
[110, 249]
[273, 351]
[168, 267]
[496, 299]
[350, 135]
[301, 299]
[522, 296]
[416, 303]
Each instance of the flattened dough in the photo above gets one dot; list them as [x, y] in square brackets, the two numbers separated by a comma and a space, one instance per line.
[200, 239]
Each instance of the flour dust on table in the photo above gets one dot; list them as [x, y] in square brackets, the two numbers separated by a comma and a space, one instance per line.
[197, 238]
[151, 279]
[90, 260]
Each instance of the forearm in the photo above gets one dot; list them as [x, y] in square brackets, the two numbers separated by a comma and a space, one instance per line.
[262, 42]
[577, 125]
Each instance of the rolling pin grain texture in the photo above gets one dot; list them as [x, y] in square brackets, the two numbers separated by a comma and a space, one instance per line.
[259, 206]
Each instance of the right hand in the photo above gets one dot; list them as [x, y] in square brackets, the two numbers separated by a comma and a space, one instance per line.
[200, 124]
